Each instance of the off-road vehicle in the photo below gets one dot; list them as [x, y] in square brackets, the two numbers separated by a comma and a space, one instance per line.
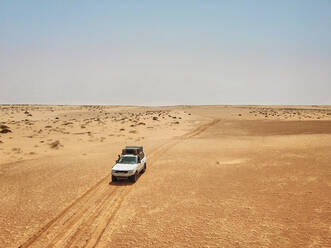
[129, 164]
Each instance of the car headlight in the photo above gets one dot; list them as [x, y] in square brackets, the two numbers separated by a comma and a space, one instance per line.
[131, 171]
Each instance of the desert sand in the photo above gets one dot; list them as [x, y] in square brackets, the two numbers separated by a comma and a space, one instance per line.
[217, 176]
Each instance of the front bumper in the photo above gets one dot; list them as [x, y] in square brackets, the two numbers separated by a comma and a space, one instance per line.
[123, 173]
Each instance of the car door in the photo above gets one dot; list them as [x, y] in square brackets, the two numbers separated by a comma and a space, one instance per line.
[143, 161]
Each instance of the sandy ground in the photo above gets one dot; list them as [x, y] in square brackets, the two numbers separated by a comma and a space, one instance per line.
[217, 176]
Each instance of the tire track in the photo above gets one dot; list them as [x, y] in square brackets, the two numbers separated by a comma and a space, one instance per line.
[80, 218]
[45, 228]
[200, 129]
[67, 222]
[84, 221]
[161, 150]
[85, 234]
[103, 228]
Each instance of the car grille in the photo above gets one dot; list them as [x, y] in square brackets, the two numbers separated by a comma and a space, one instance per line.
[117, 171]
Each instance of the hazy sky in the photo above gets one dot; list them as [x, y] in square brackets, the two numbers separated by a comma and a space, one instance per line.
[165, 52]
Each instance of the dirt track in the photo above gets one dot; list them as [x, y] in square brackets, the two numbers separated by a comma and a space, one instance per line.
[225, 182]
[84, 221]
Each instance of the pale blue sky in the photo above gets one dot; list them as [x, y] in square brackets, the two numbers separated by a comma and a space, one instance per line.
[165, 52]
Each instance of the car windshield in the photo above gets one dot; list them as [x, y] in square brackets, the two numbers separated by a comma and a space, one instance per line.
[128, 160]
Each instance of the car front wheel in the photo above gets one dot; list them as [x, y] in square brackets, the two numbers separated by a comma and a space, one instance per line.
[144, 169]
[134, 177]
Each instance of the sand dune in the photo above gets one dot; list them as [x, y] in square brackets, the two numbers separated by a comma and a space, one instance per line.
[217, 176]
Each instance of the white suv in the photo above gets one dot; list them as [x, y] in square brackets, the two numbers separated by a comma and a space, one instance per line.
[129, 166]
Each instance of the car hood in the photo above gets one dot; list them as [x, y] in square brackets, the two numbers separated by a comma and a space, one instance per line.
[125, 167]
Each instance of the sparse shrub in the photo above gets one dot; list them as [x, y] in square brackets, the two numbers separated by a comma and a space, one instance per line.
[5, 130]
[17, 150]
[55, 145]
